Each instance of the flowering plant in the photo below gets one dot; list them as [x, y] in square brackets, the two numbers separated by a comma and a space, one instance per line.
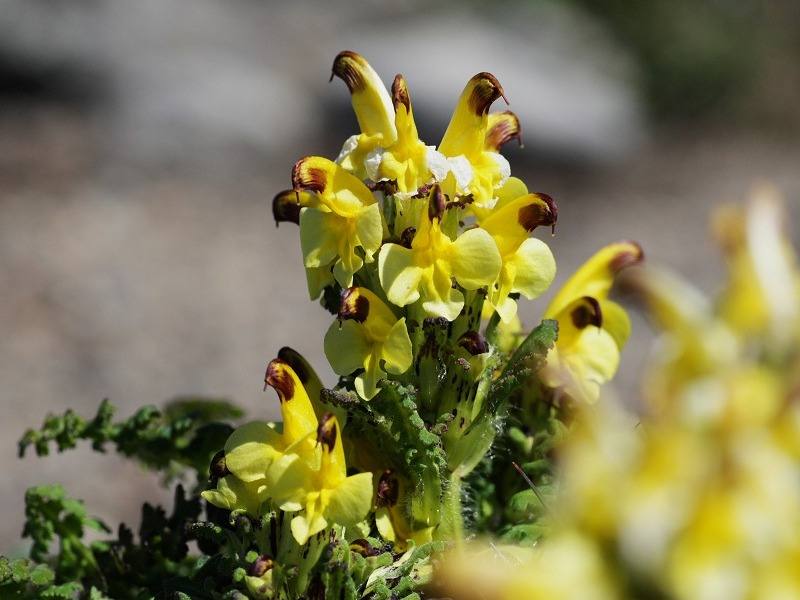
[442, 426]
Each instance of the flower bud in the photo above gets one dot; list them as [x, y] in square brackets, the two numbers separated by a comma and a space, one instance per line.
[260, 566]
[474, 343]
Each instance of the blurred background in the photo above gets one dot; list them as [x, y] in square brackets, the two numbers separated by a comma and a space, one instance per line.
[141, 144]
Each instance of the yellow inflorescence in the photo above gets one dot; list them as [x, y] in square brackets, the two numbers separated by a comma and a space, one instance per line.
[699, 498]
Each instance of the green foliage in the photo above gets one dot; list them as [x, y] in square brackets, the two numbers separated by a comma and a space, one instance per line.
[186, 433]
[526, 360]
[156, 560]
[50, 514]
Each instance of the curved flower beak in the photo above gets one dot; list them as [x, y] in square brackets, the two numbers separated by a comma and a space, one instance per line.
[342, 217]
[474, 171]
[286, 206]
[371, 101]
[367, 336]
[596, 276]
[468, 126]
[501, 128]
[408, 162]
[306, 374]
[373, 108]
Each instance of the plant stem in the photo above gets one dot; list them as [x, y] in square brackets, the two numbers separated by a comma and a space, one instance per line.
[452, 523]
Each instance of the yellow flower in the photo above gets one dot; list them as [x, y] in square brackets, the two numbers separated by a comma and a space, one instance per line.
[373, 108]
[425, 271]
[592, 328]
[388, 148]
[528, 265]
[695, 345]
[301, 469]
[367, 336]
[763, 292]
[252, 450]
[476, 168]
[341, 218]
[330, 496]
[565, 567]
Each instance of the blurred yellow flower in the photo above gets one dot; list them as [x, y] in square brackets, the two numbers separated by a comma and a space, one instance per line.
[592, 328]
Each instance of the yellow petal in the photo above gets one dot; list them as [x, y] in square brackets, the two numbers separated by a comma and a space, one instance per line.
[467, 129]
[351, 500]
[367, 383]
[399, 276]
[475, 259]
[371, 101]
[336, 189]
[250, 449]
[319, 236]
[596, 276]
[369, 229]
[288, 479]
[445, 302]
[535, 268]
[298, 415]
[317, 279]
[396, 350]
[304, 528]
[383, 521]
[346, 346]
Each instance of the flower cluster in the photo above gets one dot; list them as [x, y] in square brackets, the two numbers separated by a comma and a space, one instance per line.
[300, 470]
[421, 252]
[700, 497]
